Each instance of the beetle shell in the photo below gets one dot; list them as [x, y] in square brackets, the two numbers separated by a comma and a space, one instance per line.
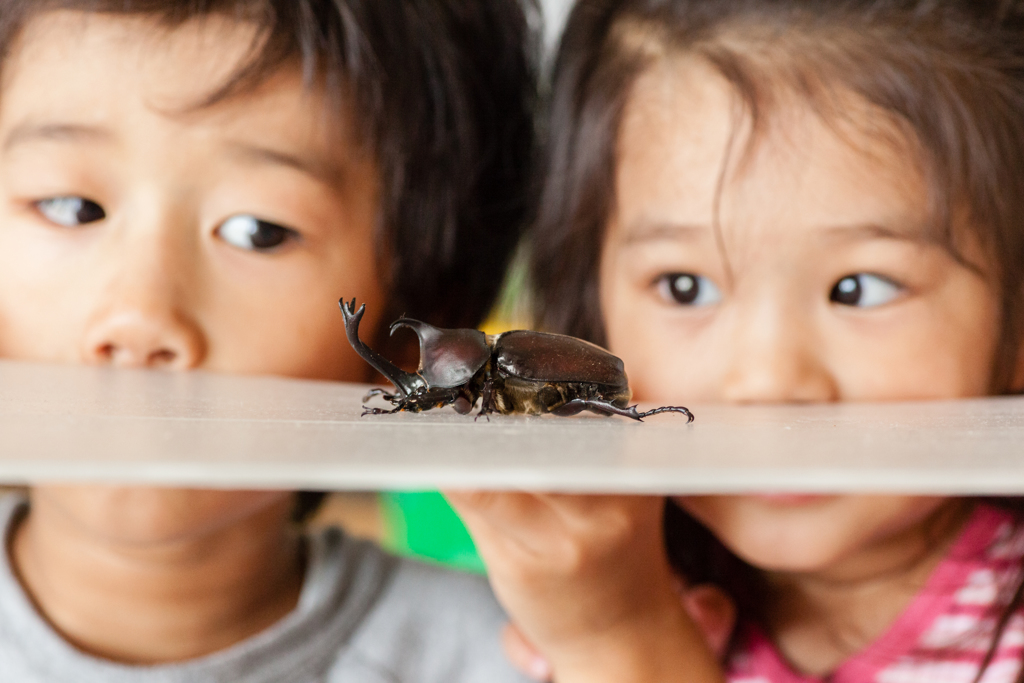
[543, 357]
[448, 358]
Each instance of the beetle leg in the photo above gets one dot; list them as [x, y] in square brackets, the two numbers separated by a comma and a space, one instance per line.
[379, 392]
[570, 408]
[486, 401]
[487, 397]
[578, 405]
[381, 411]
[667, 409]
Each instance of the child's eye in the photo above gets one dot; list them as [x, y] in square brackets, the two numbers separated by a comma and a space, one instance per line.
[688, 289]
[70, 211]
[864, 290]
[247, 232]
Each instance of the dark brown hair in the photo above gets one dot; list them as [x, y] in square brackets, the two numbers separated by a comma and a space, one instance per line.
[442, 92]
[947, 75]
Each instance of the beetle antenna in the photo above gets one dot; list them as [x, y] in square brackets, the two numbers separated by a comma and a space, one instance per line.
[669, 409]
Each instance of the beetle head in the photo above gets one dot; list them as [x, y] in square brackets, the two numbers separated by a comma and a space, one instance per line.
[448, 358]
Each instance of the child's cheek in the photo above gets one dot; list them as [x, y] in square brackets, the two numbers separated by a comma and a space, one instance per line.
[654, 354]
[297, 333]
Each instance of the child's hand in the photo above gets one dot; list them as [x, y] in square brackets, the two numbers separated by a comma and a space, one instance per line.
[710, 608]
[587, 581]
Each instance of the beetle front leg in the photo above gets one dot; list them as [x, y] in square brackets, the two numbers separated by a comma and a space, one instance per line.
[381, 411]
[379, 392]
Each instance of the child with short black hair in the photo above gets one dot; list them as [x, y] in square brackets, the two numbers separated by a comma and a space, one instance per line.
[194, 185]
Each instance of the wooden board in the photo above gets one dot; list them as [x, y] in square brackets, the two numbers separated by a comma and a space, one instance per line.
[68, 423]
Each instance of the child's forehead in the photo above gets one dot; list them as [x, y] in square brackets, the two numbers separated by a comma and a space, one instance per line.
[134, 46]
[689, 148]
[105, 71]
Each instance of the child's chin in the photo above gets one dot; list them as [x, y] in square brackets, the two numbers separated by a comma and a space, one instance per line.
[783, 532]
[144, 516]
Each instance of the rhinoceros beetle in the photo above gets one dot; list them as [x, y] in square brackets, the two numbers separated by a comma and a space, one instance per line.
[520, 372]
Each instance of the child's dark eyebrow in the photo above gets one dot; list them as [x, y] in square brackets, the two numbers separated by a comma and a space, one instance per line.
[317, 167]
[68, 132]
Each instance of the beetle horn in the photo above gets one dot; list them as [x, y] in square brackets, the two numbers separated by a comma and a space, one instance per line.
[448, 358]
[405, 382]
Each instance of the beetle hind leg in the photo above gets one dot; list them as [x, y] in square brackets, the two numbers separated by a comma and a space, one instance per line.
[667, 409]
[578, 405]
[594, 405]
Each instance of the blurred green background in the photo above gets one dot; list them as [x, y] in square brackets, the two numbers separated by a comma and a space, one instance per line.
[423, 525]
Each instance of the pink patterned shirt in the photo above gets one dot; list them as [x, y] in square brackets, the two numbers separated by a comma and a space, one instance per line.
[945, 632]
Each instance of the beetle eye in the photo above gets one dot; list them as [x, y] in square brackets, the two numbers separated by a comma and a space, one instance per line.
[70, 211]
[253, 234]
[688, 289]
[864, 291]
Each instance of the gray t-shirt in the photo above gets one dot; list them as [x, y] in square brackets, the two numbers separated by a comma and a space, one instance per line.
[363, 617]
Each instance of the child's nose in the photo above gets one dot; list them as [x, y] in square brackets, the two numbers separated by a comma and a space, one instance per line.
[133, 337]
[777, 359]
[139, 318]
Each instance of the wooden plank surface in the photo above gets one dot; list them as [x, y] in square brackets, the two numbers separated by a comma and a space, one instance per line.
[67, 423]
